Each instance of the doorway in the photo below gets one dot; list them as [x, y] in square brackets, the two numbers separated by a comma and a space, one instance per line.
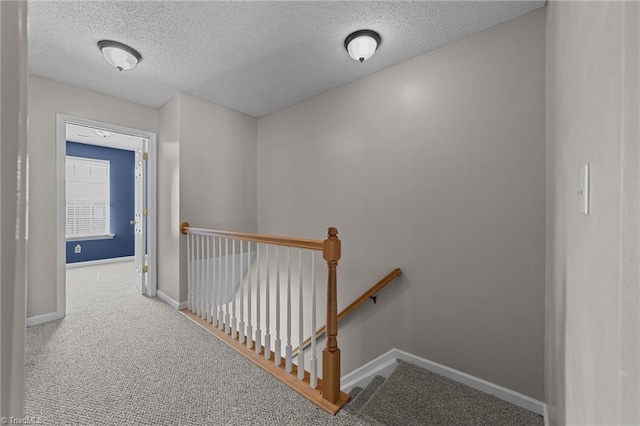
[86, 222]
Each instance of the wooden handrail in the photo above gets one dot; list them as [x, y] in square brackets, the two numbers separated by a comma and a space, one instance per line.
[302, 243]
[355, 305]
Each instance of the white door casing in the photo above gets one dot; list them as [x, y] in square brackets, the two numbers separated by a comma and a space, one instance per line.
[140, 219]
[62, 120]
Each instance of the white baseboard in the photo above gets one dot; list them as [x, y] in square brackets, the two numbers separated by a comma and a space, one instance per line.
[171, 301]
[386, 363]
[39, 319]
[546, 415]
[100, 262]
[380, 366]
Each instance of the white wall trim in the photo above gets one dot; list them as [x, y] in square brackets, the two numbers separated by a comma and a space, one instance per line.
[61, 137]
[39, 319]
[386, 362]
[61, 240]
[380, 366]
[546, 415]
[171, 301]
[152, 219]
[100, 262]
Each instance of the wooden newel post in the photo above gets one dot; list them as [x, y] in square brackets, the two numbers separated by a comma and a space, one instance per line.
[331, 353]
[183, 228]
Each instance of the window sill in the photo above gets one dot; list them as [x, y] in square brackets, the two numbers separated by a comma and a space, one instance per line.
[91, 237]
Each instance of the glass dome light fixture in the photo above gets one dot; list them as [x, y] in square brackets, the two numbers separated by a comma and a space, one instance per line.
[362, 44]
[119, 55]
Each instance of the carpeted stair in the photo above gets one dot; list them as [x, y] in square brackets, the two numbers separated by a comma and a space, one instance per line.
[414, 396]
[359, 397]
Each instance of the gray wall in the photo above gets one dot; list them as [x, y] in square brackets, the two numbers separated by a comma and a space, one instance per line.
[437, 166]
[592, 357]
[206, 174]
[218, 187]
[46, 98]
[13, 135]
[169, 198]
[207, 177]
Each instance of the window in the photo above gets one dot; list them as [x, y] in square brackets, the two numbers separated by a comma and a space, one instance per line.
[87, 184]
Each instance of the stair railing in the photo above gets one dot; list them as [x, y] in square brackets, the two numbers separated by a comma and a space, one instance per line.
[225, 269]
[372, 294]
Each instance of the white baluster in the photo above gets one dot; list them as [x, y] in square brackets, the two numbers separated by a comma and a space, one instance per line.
[289, 358]
[313, 362]
[189, 278]
[249, 290]
[199, 277]
[241, 324]
[214, 283]
[278, 343]
[196, 302]
[258, 331]
[234, 324]
[197, 274]
[207, 277]
[194, 277]
[267, 328]
[226, 286]
[203, 287]
[212, 279]
[220, 286]
[300, 319]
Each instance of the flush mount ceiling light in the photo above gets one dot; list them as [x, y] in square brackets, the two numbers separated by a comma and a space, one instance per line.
[362, 44]
[119, 55]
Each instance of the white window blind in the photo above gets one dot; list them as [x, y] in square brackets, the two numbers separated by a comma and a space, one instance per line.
[87, 184]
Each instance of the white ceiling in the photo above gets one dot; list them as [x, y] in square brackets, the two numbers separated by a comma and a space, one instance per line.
[253, 57]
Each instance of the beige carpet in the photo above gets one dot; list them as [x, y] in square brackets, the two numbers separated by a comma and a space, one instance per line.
[120, 358]
[412, 396]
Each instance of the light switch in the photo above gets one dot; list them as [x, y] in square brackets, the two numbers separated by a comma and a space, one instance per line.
[585, 189]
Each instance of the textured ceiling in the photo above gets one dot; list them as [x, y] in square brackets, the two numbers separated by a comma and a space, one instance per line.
[253, 57]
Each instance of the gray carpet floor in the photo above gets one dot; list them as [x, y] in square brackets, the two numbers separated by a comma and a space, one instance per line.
[361, 396]
[120, 358]
[414, 396]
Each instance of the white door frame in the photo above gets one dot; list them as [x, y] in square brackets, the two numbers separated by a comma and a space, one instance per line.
[61, 138]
